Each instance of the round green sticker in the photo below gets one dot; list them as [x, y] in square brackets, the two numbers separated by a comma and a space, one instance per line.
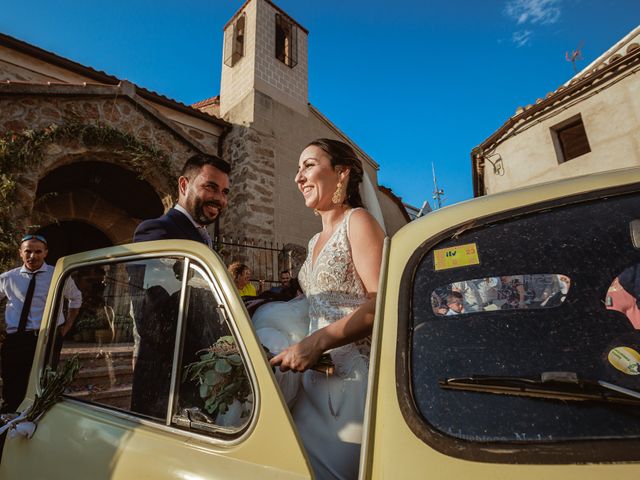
[625, 359]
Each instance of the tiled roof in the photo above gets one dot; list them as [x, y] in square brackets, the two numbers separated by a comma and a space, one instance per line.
[397, 200]
[206, 102]
[102, 77]
[124, 90]
[622, 58]
[613, 62]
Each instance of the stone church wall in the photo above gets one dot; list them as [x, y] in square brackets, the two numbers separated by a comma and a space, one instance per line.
[36, 112]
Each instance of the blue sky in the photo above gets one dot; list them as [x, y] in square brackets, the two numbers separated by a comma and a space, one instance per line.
[411, 81]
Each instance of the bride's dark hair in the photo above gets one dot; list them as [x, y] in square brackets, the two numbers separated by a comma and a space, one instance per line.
[341, 153]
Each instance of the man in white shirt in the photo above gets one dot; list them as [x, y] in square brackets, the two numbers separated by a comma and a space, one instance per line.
[26, 289]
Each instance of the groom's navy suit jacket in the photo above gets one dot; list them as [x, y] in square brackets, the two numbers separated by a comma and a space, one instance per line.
[173, 224]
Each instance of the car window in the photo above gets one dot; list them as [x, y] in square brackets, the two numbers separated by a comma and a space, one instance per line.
[550, 296]
[214, 388]
[142, 323]
[500, 293]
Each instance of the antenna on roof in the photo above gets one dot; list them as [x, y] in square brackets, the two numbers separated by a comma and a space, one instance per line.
[574, 57]
[438, 193]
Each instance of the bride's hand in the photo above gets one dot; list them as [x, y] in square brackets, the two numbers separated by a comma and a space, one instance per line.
[298, 357]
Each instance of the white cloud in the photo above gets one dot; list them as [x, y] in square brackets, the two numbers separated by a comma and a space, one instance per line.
[542, 12]
[521, 37]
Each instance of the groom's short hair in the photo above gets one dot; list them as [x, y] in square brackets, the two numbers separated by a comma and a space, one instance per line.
[195, 163]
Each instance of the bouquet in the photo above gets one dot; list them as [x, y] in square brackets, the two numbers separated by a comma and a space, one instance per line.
[221, 376]
[222, 379]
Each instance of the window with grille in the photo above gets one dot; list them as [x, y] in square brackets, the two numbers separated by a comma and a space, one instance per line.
[286, 41]
[234, 42]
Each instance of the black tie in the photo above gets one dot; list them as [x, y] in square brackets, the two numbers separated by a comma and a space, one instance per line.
[26, 307]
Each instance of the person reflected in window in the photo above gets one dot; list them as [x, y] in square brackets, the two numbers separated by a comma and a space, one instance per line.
[455, 303]
[558, 296]
[512, 291]
[470, 295]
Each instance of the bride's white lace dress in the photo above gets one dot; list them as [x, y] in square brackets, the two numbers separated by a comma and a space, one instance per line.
[328, 411]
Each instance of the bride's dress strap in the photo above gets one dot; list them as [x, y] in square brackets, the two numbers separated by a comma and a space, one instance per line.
[347, 217]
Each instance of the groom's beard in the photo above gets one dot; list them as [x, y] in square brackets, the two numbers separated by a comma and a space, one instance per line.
[199, 214]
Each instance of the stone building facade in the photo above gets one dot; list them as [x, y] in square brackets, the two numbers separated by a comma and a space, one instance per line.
[589, 124]
[90, 193]
[265, 97]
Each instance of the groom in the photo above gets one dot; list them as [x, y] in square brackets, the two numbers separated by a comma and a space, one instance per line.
[203, 188]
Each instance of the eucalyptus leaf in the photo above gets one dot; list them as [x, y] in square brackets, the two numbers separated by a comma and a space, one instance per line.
[222, 366]
[204, 390]
[211, 377]
[234, 359]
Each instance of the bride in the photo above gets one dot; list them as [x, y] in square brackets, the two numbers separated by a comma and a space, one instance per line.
[340, 281]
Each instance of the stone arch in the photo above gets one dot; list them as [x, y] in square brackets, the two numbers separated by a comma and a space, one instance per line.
[67, 237]
[58, 156]
[29, 194]
[87, 193]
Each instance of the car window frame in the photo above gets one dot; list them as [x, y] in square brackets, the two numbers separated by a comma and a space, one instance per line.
[217, 435]
[556, 453]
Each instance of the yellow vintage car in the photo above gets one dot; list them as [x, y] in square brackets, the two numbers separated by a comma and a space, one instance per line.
[505, 346]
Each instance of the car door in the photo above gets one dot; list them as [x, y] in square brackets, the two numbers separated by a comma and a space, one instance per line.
[173, 382]
[496, 320]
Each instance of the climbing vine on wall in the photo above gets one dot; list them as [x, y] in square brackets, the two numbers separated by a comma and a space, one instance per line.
[23, 152]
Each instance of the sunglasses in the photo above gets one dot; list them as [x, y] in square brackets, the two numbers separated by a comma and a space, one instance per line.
[34, 237]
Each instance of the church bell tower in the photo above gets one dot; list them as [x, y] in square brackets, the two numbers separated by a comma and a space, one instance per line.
[264, 50]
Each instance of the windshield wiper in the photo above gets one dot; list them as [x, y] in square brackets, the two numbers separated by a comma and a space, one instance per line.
[555, 385]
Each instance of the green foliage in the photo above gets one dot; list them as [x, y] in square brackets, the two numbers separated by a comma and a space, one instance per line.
[220, 375]
[23, 152]
[54, 383]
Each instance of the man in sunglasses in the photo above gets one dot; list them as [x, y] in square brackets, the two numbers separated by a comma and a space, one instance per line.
[26, 289]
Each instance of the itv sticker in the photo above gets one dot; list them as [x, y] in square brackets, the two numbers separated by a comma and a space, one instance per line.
[454, 257]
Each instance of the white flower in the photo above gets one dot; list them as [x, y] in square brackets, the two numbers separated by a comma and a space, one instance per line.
[23, 429]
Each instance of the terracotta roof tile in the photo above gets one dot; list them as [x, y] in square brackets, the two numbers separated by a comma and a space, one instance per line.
[206, 102]
[101, 77]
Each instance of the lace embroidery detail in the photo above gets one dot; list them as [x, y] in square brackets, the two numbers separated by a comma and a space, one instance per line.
[334, 289]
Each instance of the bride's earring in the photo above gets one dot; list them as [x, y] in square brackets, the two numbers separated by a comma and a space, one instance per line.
[340, 193]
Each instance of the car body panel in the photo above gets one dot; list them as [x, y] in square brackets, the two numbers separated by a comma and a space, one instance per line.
[391, 448]
[79, 440]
